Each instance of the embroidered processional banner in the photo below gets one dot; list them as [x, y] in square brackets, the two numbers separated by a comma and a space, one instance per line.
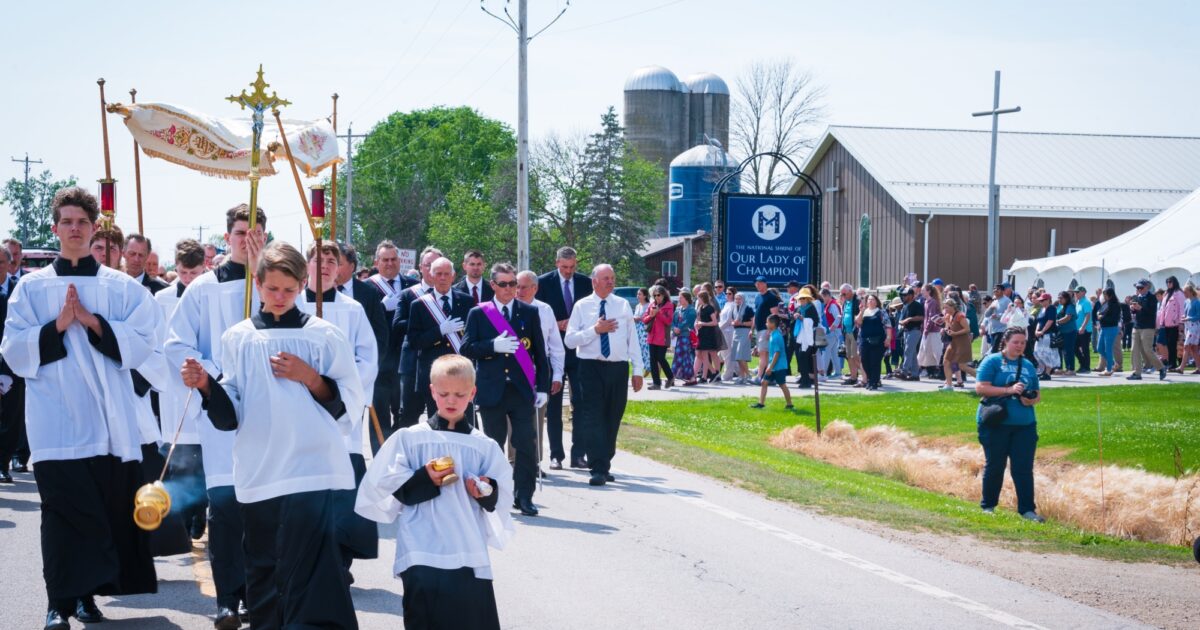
[220, 147]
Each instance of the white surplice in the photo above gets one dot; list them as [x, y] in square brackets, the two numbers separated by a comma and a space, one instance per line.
[83, 405]
[171, 399]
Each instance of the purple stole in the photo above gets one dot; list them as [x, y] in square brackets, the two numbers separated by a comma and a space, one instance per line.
[522, 354]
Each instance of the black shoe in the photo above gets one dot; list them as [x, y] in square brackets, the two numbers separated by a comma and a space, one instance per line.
[579, 462]
[555, 464]
[17, 466]
[597, 480]
[87, 611]
[227, 619]
[5, 477]
[1162, 374]
[1134, 377]
[56, 621]
[609, 477]
[526, 506]
[199, 524]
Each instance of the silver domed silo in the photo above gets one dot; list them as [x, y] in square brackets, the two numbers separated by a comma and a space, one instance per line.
[655, 121]
[708, 108]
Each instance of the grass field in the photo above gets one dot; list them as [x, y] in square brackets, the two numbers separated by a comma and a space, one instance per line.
[727, 440]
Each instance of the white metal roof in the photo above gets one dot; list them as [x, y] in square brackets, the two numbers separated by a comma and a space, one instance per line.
[653, 78]
[945, 171]
[706, 83]
[704, 155]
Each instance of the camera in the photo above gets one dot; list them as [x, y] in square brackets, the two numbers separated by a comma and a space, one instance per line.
[1029, 394]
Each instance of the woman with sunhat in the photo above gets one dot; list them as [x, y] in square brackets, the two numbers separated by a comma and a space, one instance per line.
[808, 319]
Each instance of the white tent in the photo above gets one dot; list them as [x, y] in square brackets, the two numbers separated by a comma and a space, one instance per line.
[1167, 245]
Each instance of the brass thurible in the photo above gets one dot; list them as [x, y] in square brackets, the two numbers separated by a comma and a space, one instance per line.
[150, 505]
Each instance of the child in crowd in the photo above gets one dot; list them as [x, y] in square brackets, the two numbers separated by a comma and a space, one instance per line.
[777, 369]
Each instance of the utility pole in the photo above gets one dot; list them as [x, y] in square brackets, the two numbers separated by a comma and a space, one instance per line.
[29, 197]
[993, 221]
[521, 26]
[350, 179]
[200, 233]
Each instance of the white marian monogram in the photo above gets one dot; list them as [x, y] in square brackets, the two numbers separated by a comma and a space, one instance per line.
[768, 222]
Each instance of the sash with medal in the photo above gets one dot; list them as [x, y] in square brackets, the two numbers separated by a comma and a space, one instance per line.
[435, 311]
[522, 354]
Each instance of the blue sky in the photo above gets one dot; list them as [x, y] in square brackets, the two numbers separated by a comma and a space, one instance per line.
[1091, 67]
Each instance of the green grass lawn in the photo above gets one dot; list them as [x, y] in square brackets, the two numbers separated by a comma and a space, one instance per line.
[725, 439]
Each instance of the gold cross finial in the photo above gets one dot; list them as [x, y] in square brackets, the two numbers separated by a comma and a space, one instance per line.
[258, 98]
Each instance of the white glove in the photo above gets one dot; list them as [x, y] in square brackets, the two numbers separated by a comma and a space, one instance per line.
[6, 384]
[504, 344]
[391, 302]
[451, 326]
[540, 400]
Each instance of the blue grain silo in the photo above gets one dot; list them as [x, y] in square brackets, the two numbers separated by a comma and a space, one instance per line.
[694, 174]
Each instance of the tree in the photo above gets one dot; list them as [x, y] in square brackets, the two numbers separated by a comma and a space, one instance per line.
[777, 107]
[406, 168]
[557, 171]
[468, 222]
[31, 208]
[623, 195]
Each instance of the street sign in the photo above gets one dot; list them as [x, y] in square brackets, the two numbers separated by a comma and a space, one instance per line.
[771, 236]
[408, 259]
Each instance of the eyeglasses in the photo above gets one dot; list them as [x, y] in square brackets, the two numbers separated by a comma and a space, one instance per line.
[730, 292]
[505, 285]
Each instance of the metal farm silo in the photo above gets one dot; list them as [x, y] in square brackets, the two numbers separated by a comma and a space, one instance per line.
[655, 120]
[694, 174]
[708, 108]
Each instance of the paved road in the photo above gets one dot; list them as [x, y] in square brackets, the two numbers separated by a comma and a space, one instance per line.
[660, 548]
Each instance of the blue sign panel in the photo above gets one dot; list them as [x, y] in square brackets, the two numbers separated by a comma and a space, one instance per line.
[769, 236]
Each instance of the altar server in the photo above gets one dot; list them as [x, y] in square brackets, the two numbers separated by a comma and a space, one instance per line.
[358, 537]
[446, 523]
[74, 330]
[212, 304]
[287, 382]
[185, 479]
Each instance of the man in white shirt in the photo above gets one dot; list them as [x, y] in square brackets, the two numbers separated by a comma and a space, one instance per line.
[605, 341]
[527, 286]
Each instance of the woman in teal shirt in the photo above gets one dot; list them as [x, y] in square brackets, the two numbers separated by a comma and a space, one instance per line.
[1013, 442]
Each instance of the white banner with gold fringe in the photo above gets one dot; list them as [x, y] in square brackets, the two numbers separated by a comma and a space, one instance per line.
[220, 147]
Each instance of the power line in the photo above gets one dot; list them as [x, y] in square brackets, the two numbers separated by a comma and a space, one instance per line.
[619, 18]
[411, 42]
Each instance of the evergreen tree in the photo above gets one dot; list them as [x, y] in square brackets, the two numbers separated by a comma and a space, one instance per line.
[623, 193]
[31, 208]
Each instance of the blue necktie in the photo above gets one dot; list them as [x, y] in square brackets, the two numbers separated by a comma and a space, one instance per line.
[446, 305]
[604, 347]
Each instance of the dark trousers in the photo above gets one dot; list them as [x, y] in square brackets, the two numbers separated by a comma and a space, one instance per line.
[171, 537]
[604, 389]
[805, 364]
[413, 402]
[554, 415]
[1171, 341]
[518, 410]
[658, 359]
[386, 400]
[1126, 335]
[447, 599]
[1083, 351]
[1003, 445]
[1067, 351]
[358, 537]
[12, 425]
[294, 576]
[90, 545]
[872, 357]
[225, 554]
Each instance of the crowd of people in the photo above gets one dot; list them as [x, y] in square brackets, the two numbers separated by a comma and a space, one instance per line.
[110, 366]
[936, 332]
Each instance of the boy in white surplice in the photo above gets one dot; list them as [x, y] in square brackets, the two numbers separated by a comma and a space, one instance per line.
[288, 382]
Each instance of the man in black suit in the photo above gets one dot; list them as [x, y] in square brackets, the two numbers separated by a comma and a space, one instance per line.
[561, 289]
[505, 392]
[412, 401]
[12, 417]
[365, 294]
[392, 285]
[473, 283]
[435, 324]
[137, 250]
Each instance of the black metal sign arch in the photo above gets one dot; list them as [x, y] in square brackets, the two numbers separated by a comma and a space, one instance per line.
[720, 238]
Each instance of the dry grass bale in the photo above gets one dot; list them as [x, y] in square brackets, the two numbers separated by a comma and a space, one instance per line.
[1135, 504]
